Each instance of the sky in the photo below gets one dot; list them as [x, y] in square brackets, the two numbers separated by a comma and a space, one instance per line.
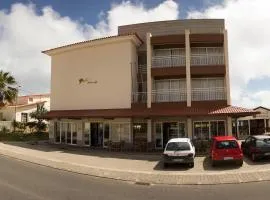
[28, 27]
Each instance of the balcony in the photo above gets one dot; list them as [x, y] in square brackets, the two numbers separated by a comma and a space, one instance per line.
[139, 97]
[207, 59]
[208, 94]
[168, 61]
[168, 96]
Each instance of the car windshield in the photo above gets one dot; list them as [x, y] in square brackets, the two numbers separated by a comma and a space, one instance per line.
[178, 146]
[228, 144]
[263, 142]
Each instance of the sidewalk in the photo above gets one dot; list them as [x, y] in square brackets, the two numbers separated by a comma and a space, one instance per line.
[134, 167]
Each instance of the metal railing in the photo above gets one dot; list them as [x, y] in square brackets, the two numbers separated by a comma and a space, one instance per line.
[202, 94]
[207, 59]
[169, 95]
[139, 97]
[168, 61]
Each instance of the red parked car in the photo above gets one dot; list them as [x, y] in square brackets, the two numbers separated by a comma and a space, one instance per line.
[226, 149]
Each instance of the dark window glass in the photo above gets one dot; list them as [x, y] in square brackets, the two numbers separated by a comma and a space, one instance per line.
[178, 146]
[263, 142]
[228, 144]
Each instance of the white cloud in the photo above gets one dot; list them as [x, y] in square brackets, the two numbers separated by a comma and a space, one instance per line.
[249, 45]
[24, 34]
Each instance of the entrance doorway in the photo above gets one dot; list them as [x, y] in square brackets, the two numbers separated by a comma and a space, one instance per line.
[168, 130]
[96, 134]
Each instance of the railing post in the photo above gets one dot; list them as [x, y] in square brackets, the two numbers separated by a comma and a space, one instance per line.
[188, 78]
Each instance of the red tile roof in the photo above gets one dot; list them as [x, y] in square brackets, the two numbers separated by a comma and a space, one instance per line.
[152, 112]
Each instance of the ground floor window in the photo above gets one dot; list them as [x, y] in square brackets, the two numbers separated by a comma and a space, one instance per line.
[243, 128]
[120, 132]
[164, 131]
[65, 132]
[204, 130]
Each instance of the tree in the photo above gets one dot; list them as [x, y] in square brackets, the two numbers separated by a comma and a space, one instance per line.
[38, 116]
[8, 90]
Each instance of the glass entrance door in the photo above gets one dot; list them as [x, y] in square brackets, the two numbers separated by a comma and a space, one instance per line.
[96, 134]
[106, 135]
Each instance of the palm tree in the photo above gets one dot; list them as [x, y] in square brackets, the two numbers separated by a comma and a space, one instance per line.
[38, 115]
[8, 90]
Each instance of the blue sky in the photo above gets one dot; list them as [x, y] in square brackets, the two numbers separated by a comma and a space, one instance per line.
[28, 27]
[88, 10]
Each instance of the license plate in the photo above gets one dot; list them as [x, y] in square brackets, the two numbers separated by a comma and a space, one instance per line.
[228, 158]
[267, 154]
[178, 160]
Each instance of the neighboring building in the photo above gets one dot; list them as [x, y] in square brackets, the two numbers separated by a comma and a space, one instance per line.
[253, 125]
[152, 82]
[21, 109]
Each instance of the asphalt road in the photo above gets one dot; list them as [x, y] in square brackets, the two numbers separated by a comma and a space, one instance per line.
[23, 181]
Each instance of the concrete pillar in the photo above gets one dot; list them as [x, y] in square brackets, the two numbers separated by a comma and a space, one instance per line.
[80, 132]
[189, 128]
[188, 78]
[51, 131]
[229, 126]
[226, 62]
[149, 66]
[265, 125]
[248, 126]
[149, 130]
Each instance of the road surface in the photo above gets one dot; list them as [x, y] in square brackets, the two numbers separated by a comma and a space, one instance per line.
[24, 181]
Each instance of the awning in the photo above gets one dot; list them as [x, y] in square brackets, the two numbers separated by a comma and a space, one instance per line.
[152, 112]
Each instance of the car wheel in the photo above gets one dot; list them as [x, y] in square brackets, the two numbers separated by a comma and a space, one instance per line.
[214, 164]
[253, 157]
[191, 165]
[165, 165]
[239, 163]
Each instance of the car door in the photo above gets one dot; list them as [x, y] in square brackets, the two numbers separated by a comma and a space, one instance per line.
[245, 147]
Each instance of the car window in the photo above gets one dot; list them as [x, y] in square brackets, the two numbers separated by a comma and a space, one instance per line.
[263, 142]
[178, 146]
[228, 144]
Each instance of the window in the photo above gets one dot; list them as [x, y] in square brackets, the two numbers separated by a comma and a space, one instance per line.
[120, 132]
[230, 144]
[263, 142]
[30, 99]
[204, 130]
[86, 134]
[24, 117]
[178, 146]
[208, 89]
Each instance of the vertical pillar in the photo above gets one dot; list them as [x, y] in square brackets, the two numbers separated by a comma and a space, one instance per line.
[189, 128]
[149, 130]
[229, 126]
[51, 131]
[188, 78]
[149, 66]
[248, 126]
[226, 62]
[265, 125]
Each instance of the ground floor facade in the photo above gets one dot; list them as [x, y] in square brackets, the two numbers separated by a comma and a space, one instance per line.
[135, 133]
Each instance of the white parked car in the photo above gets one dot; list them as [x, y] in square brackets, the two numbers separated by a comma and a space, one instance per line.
[179, 150]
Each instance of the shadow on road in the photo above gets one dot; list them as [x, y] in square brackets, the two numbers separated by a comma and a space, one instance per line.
[172, 167]
[87, 151]
[221, 167]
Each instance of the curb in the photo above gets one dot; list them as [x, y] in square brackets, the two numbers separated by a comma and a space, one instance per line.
[147, 178]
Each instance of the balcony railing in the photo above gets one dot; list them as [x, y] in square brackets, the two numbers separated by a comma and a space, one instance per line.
[207, 59]
[168, 61]
[168, 95]
[205, 94]
[139, 97]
